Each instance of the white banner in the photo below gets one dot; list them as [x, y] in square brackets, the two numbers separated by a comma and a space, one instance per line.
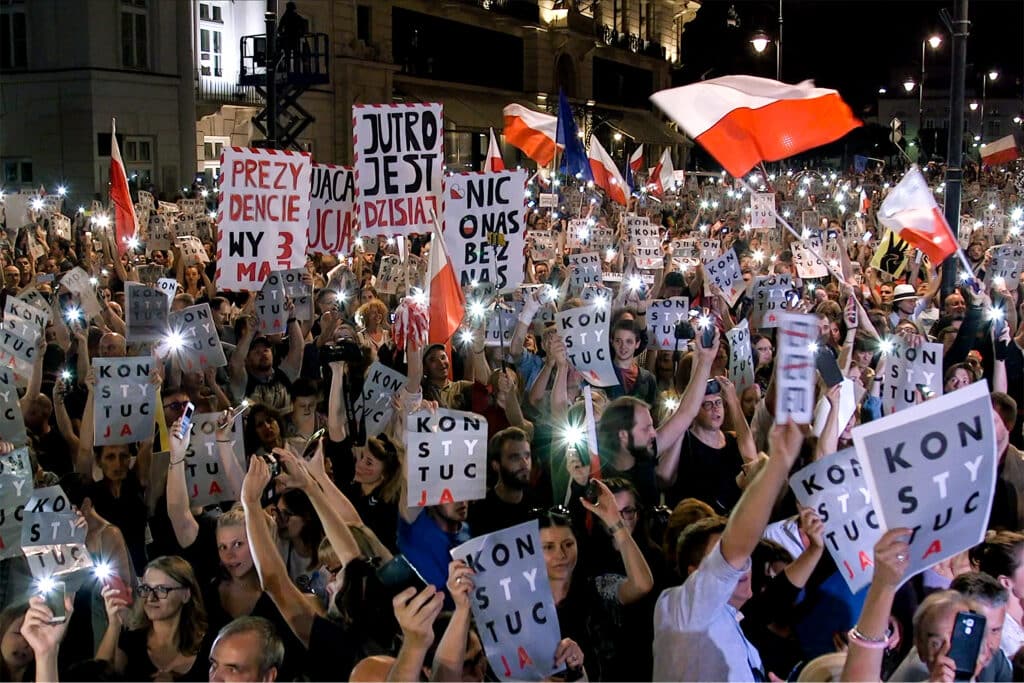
[446, 457]
[762, 204]
[662, 317]
[769, 300]
[585, 333]
[795, 368]
[741, 362]
[724, 273]
[332, 210]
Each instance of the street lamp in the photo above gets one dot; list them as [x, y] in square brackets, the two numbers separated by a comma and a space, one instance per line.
[985, 78]
[908, 85]
[934, 41]
[760, 41]
[973, 106]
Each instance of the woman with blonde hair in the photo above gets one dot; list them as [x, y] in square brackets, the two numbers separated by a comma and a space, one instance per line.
[167, 635]
[373, 333]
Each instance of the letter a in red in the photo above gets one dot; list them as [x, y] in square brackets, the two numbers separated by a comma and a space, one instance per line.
[935, 547]
[524, 658]
[446, 497]
[865, 561]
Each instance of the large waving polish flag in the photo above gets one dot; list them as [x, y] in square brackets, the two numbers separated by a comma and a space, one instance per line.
[1004, 150]
[606, 175]
[636, 159]
[125, 222]
[494, 162]
[911, 212]
[744, 120]
[532, 132]
[663, 175]
[447, 302]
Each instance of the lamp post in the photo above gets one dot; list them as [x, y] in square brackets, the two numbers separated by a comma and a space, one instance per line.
[934, 41]
[760, 42]
[985, 78]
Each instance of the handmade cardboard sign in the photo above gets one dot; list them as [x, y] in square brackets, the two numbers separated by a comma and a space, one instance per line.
[192, 251]
[300, 293]
[77, 281]
[484, 227]
[125, 399]
[63, 556]
[585, 269]
[762, 206]
[501, 324]
[585, 333]
[662, 317]
[795, 368]
[373, 407]
[512, 602]
[542, 245]
[263, 217]
[15, 491]
[209, 477]
[835, 488]
[645, 240]
[146, 309]
[391, 275]
[398, 162]
[332, 210]
[446, 457]
[741, 362]
[907, 368]
[932, 468]
[1005, 266]
[808, 265]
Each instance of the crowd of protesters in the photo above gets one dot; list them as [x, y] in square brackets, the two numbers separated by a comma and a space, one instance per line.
[690, 562]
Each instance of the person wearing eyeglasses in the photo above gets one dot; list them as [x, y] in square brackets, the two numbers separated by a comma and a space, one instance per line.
[165, 634]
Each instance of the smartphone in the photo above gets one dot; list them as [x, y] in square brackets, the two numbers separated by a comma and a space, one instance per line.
[399, 574]
[312, 442]
[186, 419]
[592, 493]
[926, 391]
[233, 413]
[713, 387]
[828, 367]
[55, 601]
[792, 298]
[707, 336]
[44, 277]
[965, 644]
[117, 583]
[391, 318]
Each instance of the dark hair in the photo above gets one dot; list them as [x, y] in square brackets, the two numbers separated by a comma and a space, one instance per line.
[312, 528]
[384, 449]
[218, 301]
[304, 386]
[619, 415]
[193, 623]
[693, 542]
[999, 554]
[1003, 401]
[558, 516]
[7, 618]
[981, 587]
[249, 436]
[686, 512]
[765, 553]
[498, 441]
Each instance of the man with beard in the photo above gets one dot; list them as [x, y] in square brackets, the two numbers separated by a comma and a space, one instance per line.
[954, 309]
[508, 503]
[426, 539]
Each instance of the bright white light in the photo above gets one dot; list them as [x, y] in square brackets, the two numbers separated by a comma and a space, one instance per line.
[998, 281]
[37, 204]
[94, 281]
[102, 571]
[391, 241]
[553, 293]
[81, 209]
[786, 213]
[609, 254]
[213, 215]
[759, 255]
[343, 296]
[671, 404]
[73, 314]
[994, 313]
[174, 341]
[1016, 213]
[813, 347]
[834, 263]
[477, 309]
[634, 283]
[703, 203]
[810, 287]
[102, 220]
[886, 346]
[65, 375]
[133, 243]
[45, 585]
[359, 241]
[704, 321]
[802, 192]
[61, 190]
[965, 277]
[601, 301]
[419, 296]
[466, 337]
[991, 207]
[204, 193]
[714, 204]
[473, 284]
[573, 435]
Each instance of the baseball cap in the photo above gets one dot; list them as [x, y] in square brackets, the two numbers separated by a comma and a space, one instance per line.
[262, 339]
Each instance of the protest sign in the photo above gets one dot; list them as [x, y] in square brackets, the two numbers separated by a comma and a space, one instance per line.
[808, 265]
[686, 248]
[158, 237]
[184, 227]
[199, 345]
[585, 269]
[76, 281]
[598, 238]
[270, 309]
[34, 298]
[19, 335]
[390, 276]
[146, 309]
[373, 407]
[46, 527]
[299, 292]
[15, 212]
[169, 287]
[724, 273]
[166, 208]
[501, 323]
[795, 368]
[60, 226]
[932, 468]
[836, 489]
[542, 245]
[512, 602]
[447, 457]
[908, 367]
[597, 293]
[146, 199]
[548, 200]
[855, 229]
[12, 424]
[741, 361]
[192, 206]
[578, 230]
[209, 477]
[192, 251]
[484, 227]
[646, 241]
[892, 254]
[1005, 266]
[769, 300]
[810, 221]
[398, 161]
[60, 558]
[125, 399]
[762, 206]
[332, 210]
[263, 215]
[15, 491]
[709, 249]
[662, 317]
[585, 333]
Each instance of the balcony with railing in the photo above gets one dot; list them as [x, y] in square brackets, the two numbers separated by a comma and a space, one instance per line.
[521, 10]
[632, 42]
[218, 91]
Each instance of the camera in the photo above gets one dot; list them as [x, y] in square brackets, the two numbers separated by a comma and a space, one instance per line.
[343, 350]
[684, 330]
[592, 493]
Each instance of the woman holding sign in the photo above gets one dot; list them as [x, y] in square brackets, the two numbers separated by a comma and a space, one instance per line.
[589, 609]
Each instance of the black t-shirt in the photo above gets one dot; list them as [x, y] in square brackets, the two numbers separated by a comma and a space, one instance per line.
[380, 516]
[54, 453]
[333, 651]
[492, 513]
[707, 474]
[127, 512]
[643, 477]
[139, 667]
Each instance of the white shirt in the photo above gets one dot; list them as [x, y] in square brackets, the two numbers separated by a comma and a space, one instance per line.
[1013, 637]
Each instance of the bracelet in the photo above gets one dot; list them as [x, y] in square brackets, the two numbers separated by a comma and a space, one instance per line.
[292, 320]
[621, 524]
[855, 636]
[172, 463]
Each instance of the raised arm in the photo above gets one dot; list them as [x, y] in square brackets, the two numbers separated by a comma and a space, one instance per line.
[799, 571]
[415, 613]
[337, 417]
[670, 433]
[84, 461]
[531, 304]
[35, 378]
[451, 651]
[236, 367]
[291, 364]
[60, 411]
[744, 438]
[183, 523]
[639, 580]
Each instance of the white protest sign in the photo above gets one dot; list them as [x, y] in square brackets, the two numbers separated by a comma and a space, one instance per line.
[585, 269]
[542, 245]
[808, 266]
[191, 207]
[686, 248]
[484, 227]
[200, 345]
[597, 293]
[724, 272]
[159, 233]
[146, 310]
[512, 603]
[662, 317]
[646, 241]
[847, 406]
[446, 457]
[192, 251]
[270, 310]
[12, 424]
[398, 162]
[836, 489]
[769, 300]
[390, 276]
[263, 216]
[585, 333]
[373, 407]
[299, 292]
[15, 491]
[855, 228]
[795, 368]
[15, 212]
[59, 559]
[1005, 267]
[146, 199]
[810, 220]
[76, 281]
[578, 230]
[210, 478]
[932, 468]
[332, 210]
[548, 200]
[906, 368]
[125, 399]
[19, 335]
[741, 362]
[762, 206]
[501, 323]
[45, 526]
[709, 249]
[169, 286]
[60, 226]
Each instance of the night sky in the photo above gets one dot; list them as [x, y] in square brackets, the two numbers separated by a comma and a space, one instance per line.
[856, 46]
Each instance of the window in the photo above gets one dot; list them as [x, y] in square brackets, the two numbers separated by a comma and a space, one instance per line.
[212, 150]
[13, 36]
[137, 153]
[211, 12]
[17, 171]
[134, 34]
[210, 53]
[363, 23]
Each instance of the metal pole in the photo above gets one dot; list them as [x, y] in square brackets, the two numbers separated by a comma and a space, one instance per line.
[270, 19]
[955, 149]
[981, 122]
[920, 103]
[778, 49]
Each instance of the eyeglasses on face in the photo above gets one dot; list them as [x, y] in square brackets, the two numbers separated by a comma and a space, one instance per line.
[709, 405]
[630, 512]
[161, 592]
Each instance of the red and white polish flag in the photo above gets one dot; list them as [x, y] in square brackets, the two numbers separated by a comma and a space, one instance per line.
[744, 120]
[494, 162]
[636, 160]
[662, 175]
[606, 175]
[1004, 150]
[911, 212]
[447, 302]
[125, 222]
[532, 132]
